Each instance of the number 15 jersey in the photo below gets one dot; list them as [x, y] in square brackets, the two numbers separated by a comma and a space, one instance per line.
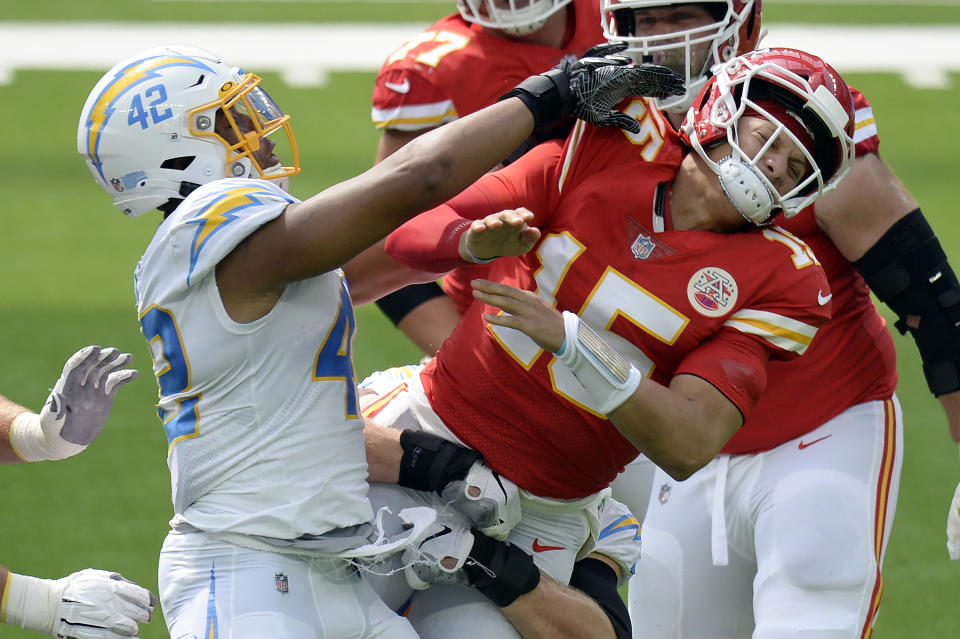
[714, 305]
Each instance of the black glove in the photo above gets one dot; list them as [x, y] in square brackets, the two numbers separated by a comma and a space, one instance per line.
[590, 87]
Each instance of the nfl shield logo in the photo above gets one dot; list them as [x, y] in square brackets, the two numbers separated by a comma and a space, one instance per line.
[664, 494]
[117, 186]
[642, 247]
[281, 583]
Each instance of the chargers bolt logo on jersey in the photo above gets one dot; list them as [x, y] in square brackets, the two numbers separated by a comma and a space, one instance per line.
[712, 291]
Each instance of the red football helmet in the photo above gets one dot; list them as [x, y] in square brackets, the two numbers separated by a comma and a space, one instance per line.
[807, 101]
[732, 28]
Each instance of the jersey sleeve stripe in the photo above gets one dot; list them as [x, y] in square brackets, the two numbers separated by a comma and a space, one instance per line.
[412, 118]
[783, 332]
[865, 126]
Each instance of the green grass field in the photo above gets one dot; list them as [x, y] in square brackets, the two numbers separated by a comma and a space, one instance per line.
[67, 259]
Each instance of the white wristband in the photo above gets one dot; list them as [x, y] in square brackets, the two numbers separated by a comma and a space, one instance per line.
[26, 437]
[31, 603]
[605, 374]
[31, 443]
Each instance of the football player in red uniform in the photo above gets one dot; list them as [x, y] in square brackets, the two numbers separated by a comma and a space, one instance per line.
[643, 243]
[785, 531]
[430, 80]
[462, 63]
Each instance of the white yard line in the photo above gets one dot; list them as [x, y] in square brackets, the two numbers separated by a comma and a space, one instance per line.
[304, 54]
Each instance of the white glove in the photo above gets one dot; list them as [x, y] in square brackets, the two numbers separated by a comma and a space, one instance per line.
[90, 604]
[77, 407]
[487, 498]
[953, 526]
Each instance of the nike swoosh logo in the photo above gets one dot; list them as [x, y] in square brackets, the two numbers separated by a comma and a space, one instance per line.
[403, 87]
[538, 548]
[801, 445]
[823, 299]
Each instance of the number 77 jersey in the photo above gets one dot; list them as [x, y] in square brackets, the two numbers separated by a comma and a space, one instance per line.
[715, 305]
[455, 68]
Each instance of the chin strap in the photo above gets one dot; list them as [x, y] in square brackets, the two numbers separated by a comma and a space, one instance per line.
[746, 190]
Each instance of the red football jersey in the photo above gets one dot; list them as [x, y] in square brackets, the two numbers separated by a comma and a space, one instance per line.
[714, 305]
[852, 359]
[455, 68]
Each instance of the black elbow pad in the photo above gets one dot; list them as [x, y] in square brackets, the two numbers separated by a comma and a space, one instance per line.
[907, 269]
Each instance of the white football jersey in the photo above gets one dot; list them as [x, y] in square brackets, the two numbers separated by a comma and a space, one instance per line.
[264, 432]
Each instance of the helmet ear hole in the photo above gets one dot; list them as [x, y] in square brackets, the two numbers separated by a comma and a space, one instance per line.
[178, 164]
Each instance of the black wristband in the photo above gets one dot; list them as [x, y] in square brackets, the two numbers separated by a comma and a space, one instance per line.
[547, 96]
[430, 462]
[500, 571]
[597, 580]
[398, 304]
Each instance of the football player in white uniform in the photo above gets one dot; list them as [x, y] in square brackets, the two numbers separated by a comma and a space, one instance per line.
[244, 306]
[90, 603]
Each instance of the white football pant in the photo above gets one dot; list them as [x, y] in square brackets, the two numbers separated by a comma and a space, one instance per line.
[213, 589]
[790, 546]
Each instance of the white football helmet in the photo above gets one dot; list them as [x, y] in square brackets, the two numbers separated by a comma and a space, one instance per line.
[516, 17]
[733, 29]
[808, 103]
[153, 127]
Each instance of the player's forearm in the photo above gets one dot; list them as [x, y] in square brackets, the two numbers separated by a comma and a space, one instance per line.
[373, 274]
[4, 573]
[384, 452]
[8, 411]
[553, 611]
[430, 241]
[430, 323]
[680, 428]
[446, 160]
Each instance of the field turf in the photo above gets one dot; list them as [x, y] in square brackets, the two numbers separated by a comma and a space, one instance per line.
[67, 258]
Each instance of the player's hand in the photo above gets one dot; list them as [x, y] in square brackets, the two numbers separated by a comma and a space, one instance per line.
[506, 233]
[96, 604]
[488, 499]
[89, 604]
[953, 526]
[590, 87]
[524, 311]
[78, 406]
[600, 82]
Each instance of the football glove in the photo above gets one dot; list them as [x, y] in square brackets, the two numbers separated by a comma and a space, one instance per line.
[458, 474]
[953, 526]
[590, 87]
[491, 501]
[89, 604]
[77, 407]
[498, 570]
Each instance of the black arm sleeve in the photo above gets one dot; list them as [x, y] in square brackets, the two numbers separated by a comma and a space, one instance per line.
[598, 581]
[907, 269]
[398, 304]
